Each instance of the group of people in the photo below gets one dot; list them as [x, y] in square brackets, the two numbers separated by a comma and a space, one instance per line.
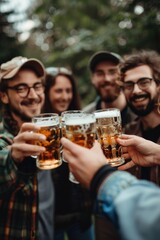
[43, 205]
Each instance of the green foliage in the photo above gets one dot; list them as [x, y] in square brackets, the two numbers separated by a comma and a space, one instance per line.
[9, 45]
[69, 32]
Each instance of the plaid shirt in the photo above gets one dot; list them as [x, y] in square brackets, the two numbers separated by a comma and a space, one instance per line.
[18, 190]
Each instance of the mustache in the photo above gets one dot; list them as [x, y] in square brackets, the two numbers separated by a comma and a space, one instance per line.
[30, 101]
[135, 97]
[105, 84]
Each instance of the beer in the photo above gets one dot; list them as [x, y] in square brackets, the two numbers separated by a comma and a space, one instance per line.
[49, 126]
[80, 131]
[79, 127]
[109, 128]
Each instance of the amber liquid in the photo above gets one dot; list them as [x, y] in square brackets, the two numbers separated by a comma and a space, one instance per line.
[108, 129]
[51, 158]
[83, 135]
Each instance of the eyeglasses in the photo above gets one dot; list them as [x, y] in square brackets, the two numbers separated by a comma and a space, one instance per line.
[54, 71]
[143, 83]
[23, 89]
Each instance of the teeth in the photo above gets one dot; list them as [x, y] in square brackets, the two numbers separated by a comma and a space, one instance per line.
[139, 99]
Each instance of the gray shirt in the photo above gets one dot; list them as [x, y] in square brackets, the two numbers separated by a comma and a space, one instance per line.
[46, 205]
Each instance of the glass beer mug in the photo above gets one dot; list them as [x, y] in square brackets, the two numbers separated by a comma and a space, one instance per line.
[109, 128]
[79, 127]
[49, 126]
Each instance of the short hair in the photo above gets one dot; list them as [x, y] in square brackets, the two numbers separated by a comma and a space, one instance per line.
[144, 57]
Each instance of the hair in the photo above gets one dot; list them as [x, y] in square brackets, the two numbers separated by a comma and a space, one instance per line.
[4, 82]
[51, 81]
[143, 57]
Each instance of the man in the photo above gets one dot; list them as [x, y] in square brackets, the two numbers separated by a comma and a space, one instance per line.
[141, 84]
[131, 204]
[104, 67]
[22, 94]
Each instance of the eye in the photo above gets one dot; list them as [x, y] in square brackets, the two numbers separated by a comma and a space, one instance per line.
[113, 71]
[128, 85]
[99, 73]
[38, 86]
[144, 81]
[21, 88]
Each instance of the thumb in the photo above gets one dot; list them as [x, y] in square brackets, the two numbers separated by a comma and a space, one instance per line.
[69, 145]
[125, 142]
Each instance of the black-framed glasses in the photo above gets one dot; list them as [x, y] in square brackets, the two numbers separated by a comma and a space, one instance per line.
[143, 83]
[54, 71]
[23, 89]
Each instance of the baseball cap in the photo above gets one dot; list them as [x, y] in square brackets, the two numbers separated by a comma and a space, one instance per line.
[103, 56]
[11, 68]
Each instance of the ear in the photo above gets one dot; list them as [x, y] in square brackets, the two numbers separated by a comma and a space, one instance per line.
[4, 97]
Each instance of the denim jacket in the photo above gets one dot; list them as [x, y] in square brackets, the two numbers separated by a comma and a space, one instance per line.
[133, 205]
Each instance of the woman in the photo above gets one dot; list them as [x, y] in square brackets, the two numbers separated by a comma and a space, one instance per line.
[72, 202]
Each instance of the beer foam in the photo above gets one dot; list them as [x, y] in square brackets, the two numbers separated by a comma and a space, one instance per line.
[107, 114]
[79, 121]
[46, 123]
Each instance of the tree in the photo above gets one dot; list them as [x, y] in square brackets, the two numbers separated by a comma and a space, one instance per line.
[67, 33]
[9, 45]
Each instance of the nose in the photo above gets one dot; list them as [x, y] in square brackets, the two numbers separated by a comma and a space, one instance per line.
[65, 95]
[136, 88]
[108, 78]
[32, 93]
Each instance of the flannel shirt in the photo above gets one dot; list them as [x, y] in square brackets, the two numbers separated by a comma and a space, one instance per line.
[18, 190]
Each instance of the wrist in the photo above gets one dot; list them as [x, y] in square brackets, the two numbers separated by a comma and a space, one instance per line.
[102, 173]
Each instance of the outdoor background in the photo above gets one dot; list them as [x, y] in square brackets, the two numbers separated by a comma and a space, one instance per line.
[67, 32]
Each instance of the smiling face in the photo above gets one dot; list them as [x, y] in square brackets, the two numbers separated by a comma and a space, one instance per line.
[24, 108]
[104, 80]
[61, 94]
[142, 102]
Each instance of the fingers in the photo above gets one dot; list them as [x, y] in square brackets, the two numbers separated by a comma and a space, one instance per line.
[126, 156]
[125, 142]
[29, 127]
[126, 136]
[127, 165]
[27, 148]
[29, 137]
[70, 146]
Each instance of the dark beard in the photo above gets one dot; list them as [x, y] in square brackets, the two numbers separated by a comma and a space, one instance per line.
[23, 117]
[143, 112]
[110, 98]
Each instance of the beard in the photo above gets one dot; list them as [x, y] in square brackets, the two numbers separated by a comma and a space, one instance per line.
[21, 114]
[142, 111]
[110, 95]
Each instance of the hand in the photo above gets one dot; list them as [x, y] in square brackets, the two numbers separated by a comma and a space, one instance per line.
[83, 162]
[23, 144]
[141, 151]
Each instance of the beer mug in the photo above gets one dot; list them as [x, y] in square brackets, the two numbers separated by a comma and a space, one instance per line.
[49, 126]
[62, 124]
[109, 128]
[79, 127]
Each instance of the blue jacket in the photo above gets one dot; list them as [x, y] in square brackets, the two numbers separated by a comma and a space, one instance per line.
[133, 205]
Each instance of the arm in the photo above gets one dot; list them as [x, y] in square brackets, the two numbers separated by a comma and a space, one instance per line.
[141, 151]
[15, 155]
[133, 205]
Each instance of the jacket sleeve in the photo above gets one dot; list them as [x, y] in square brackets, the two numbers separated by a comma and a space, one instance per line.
[11, 175]
[7, 167]
[133, 205]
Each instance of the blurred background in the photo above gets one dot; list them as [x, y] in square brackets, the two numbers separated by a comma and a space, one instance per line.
[66, 33]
